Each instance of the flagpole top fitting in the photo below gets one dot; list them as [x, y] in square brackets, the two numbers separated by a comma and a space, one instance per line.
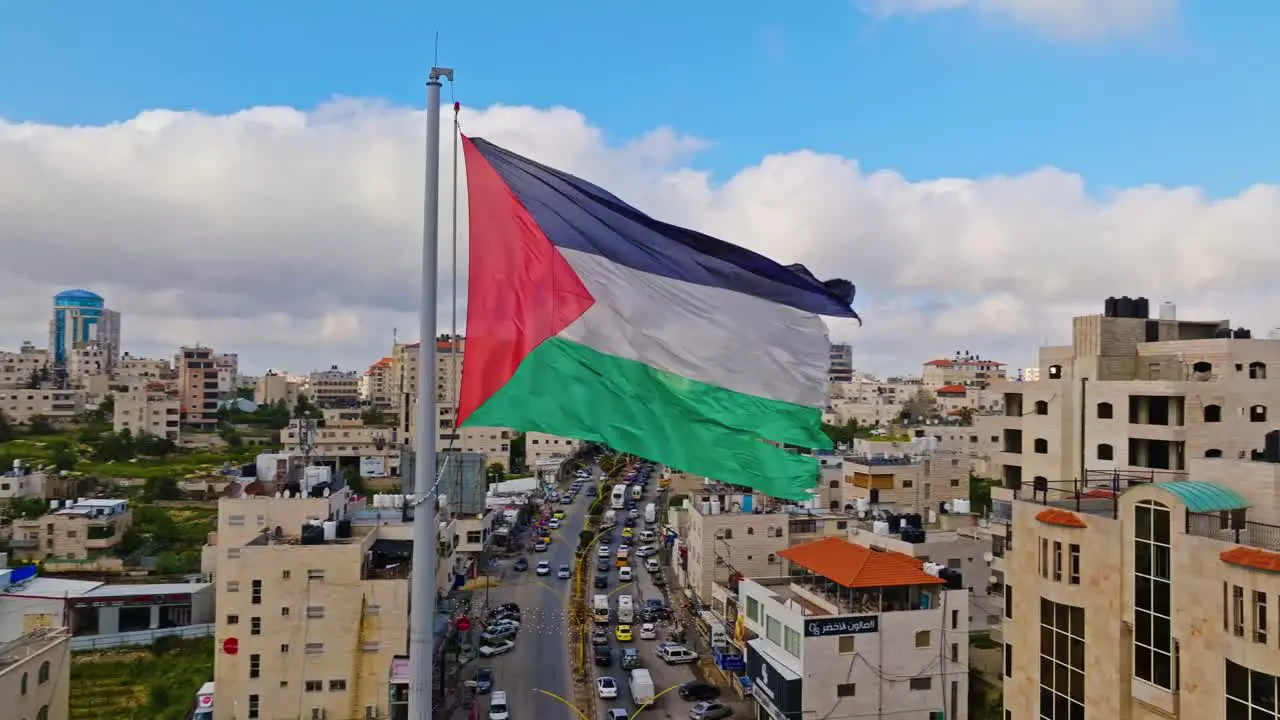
[439, 73]
[457, 106]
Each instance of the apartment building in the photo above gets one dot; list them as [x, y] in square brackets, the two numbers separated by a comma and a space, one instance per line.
[144, 369]
[228, 367]
[1151, 600]
[542, 447]
[77, 530]
[274, 387]
[22, 483]
[154, 408]
[18, 368]
[846, 631]
[19, 406]
[729, 536]
[377, 385]
[964, 369]
[914, 474]
[334, 388]
[1137, 398]
[81, 316]
[841, 367]
[35, 675]
[312, 618]
[344, 438]
[868, 400]
[88, 359]
[198, 387]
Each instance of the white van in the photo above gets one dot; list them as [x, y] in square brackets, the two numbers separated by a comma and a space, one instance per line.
[498, 706]
[624, 573]
[646, 536]
[652, 565]
[676, 654]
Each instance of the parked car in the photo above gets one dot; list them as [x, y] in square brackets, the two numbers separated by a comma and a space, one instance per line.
[564, 573]
[607, 688]
[483, 681]
[497, 648]
[507, 608]
[540, 546]
[603, 656]
[696, 690]
[495, 633]
[521, 565]
[544, 567]
[630, 658]
[646, 550]
[648, 631]
[709, 711]
[599, 637]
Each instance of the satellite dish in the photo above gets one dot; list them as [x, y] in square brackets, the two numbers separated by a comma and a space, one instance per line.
[987, 556]
[326, 492]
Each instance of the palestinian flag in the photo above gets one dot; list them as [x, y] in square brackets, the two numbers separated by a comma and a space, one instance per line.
[588, 319]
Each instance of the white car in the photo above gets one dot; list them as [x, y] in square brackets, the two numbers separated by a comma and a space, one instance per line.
[544, 567]
[624, 548]
[646, 551]
[554, 524]
[607, 688]
[498, 648]
[498, 709]
[603, 551]
[564, 573]
[648, 631]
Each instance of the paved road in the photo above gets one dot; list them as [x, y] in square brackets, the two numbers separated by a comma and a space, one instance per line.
[540, 659]
[669, 706]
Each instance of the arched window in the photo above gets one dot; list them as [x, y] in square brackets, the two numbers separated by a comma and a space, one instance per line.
[1105, 411]
[1257, 371]
[44, 713]
[1042, 446]
[43, 676]
[1055, 372]
[1202, 368]
[1258, 413]
[1213, 452]
[1106, 452]
[1212, 413]
[1040, 483]
[1042, 407]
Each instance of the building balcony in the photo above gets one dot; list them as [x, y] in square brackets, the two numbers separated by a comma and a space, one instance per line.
[1001, 512]
[24, 543]
[1233, 528]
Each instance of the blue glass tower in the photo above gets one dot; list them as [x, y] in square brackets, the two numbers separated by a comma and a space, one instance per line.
[75, 315]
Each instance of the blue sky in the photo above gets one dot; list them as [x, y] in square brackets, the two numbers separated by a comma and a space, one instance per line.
[944, 94]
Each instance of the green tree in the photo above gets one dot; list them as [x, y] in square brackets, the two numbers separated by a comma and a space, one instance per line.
[6, 428]
[146, 444]
[495, 473]
[980, 492]
[964, 416]
[229, 434]
[354, 480]
[518, 454]
[844, 433]
[161, 488]
[114, 447]
[63, 455]
[919, 407]
[25, 508]
[374, 417]
[607, 462]
[33, 382]
[105, 411]
[40, 425]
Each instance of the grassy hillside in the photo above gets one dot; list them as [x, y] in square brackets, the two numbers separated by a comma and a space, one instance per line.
[151, 683]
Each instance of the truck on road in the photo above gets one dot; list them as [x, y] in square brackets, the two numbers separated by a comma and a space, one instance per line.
[650, 513]
[626, 610]
[600, 610]
[642, 691]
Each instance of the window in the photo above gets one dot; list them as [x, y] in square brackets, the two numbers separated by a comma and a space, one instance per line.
[256, 590]
[315, 574]
[1257, 371]
[1073, 565]
[285, 574]
[337, 686]
[1044, 558]
[254, 703]
[791, 641]
[42, 676]
[924, 638]
[846, 690]
[233, 586]
[955, 619]
[1057, 561]
[255, 626]
[1212, 413]
[1061, 661]
[284, 611]
[1152, 590]
[1251, 695]
[1258, 413]
[1105, 411]
[955, 652]
[773, 630]
[314, 686]
[1106, 452]
[1008, 660]
[23, 687]
[43, 713]
[1260, 617]
[284, 648]
[315, 611]
[1055, 372]
[1213, 453]
[1042, 407]
[1042, 446]
[255, 665]
[921, 683]
[753, 609]
[847, 645]
[1008, 601]
[1237, 611]
[233, 619]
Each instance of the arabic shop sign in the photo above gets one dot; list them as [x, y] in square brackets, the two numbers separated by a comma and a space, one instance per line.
[846, 625]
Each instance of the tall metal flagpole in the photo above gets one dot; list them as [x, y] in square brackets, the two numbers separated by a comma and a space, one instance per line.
[422, 611]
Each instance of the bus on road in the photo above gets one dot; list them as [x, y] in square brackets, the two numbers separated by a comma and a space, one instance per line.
[619, 497]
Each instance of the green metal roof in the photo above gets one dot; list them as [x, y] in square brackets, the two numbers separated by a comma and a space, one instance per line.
[1205, 497]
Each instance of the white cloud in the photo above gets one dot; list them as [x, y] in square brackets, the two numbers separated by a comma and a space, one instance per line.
[1075, 20]
[293, 237]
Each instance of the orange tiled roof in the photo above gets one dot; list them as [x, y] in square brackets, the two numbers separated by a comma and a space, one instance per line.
[952, 389]
[1252, 558]
[1058, 516]
[857, 566]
